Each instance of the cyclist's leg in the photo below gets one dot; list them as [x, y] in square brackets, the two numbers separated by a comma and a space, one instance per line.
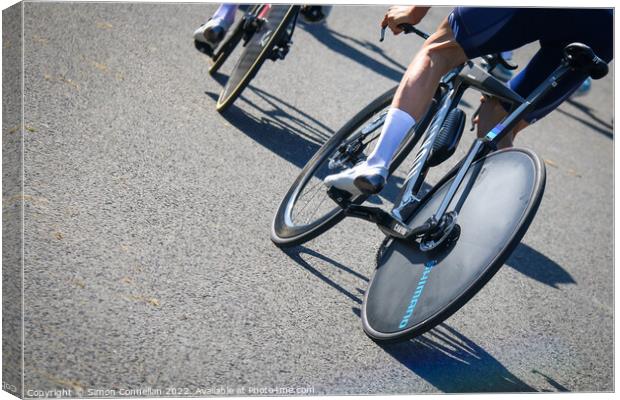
[467, 33]
[491, 114]
[214, 30]
[439, 54]
[537, 70]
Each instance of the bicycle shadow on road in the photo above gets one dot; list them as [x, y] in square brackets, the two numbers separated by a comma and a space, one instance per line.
[594, 122]
[285, 135]
[537, 266]
[453, 363]
[443, 357]
[336, 41]
[295, 254]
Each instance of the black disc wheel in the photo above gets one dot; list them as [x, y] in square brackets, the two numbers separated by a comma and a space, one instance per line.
[306, 210]
[273, 25]
[413, 290]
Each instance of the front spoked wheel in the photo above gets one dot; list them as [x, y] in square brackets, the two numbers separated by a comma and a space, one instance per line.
[273, 25]
[306, 210]
[412, 290]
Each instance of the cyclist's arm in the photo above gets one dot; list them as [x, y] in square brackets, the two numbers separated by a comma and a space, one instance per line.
[397, 15]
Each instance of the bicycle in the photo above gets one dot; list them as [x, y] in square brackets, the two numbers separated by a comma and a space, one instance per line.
[266, 31]
[442, 246]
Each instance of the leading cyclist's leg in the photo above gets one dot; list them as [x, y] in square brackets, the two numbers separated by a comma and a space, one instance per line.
[439, 54]
[211, 33]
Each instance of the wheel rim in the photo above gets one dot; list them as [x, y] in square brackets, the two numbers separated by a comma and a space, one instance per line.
[254, 52]
[412, 291]
[309, 205]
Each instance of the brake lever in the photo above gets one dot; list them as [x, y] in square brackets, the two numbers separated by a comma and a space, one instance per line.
[407, 28]
[382, 37]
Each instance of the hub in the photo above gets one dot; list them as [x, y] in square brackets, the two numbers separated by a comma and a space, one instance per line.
[444, 234]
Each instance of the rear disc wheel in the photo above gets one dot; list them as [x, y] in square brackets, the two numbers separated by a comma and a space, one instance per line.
[411, 290]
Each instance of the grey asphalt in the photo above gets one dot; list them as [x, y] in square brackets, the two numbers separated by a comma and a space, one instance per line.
[148, 262]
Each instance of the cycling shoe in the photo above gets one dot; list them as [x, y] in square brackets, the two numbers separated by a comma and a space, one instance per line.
[359, 179]
[209, 35]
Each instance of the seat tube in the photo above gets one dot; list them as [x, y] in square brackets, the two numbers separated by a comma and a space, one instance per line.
[499, 131]
[418, 170]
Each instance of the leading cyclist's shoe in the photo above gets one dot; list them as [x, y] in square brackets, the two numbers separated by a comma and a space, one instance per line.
[359, 179]
[315, 14]
[210, 34]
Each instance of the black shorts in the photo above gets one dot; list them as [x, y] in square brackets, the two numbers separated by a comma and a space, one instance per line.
[482, 31]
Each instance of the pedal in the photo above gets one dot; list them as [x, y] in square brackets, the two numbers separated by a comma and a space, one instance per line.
[341, 197]
[204, 48]
[448, 137]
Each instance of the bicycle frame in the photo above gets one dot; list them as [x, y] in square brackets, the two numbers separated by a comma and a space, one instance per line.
[483, 146]
[456, 83]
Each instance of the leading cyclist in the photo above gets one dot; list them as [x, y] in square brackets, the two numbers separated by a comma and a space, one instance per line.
[211, 33]
[465, 34]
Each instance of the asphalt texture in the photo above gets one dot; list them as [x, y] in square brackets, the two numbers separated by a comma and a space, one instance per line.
[148, 263]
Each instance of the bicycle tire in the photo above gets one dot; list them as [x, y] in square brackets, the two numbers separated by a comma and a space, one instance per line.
[255, 53]
[283, 235]
[389, 312]
[231, 42]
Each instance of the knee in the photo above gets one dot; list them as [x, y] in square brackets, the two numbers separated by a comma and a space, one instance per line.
[442, 52]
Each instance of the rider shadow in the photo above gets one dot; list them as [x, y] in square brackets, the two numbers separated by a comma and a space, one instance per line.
[537, 266]
[453, 363]
[596, 123]
[337, 43]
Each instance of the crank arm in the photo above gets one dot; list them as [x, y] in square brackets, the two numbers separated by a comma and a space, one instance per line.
[385, 221]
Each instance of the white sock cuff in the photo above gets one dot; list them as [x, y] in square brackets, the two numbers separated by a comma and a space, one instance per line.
[397, 125]
[402, 118]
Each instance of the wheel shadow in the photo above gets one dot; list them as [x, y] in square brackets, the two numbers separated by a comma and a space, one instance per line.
[295, 253]
[443, 357]
[536, 265]
[453, 363]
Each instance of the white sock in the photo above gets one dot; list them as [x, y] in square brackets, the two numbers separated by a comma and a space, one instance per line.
[397, 125]
[225, 13]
